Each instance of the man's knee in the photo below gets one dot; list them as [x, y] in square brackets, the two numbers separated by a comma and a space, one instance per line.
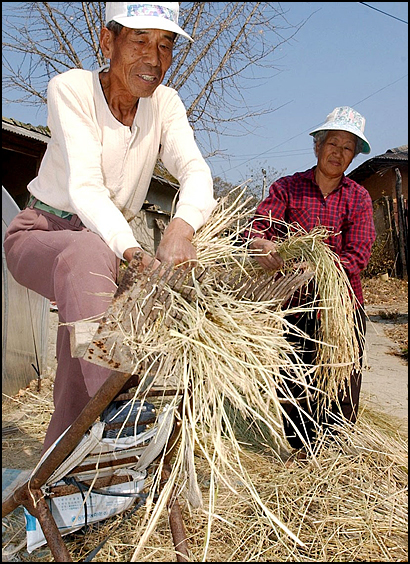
[87, 255]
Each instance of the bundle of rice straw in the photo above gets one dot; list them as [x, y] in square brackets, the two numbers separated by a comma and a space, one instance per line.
[337, 346]
[226, 353]
[333, 297]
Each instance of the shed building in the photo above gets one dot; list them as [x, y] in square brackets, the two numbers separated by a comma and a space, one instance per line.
[385, 177]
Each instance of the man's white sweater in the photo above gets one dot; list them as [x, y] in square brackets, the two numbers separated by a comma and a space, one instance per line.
[100, 169]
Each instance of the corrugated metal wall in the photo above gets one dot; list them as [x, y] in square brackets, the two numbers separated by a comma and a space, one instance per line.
[25, 317]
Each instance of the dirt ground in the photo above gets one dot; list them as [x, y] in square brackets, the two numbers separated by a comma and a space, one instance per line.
[388, 300]
[385, 374]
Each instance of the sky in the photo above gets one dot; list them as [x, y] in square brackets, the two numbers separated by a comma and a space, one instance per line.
[346, 54]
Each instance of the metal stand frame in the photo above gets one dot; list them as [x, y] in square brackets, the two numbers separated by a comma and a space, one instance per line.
[31, 497]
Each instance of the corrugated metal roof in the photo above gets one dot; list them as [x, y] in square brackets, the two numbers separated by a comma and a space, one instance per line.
[398, 156]
[39, 132]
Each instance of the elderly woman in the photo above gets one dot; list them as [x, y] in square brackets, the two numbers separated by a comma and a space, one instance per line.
[324, 196]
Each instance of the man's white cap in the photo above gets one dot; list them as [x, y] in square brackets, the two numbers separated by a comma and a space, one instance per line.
[145, 15]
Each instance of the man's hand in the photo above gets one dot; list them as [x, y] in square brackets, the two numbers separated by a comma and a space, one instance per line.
[176, 244]
[146, 259]
[266, 254]
[174, 249]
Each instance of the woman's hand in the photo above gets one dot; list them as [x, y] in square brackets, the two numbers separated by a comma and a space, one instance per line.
[265, 254]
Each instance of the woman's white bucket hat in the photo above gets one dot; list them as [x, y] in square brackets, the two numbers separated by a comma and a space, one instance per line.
[346, 119]
[145, 15]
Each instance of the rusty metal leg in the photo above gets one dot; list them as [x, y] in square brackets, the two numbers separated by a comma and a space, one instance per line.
[87, 417]
[37, 506]
[178, 531]
[176, 522]
[22, 496]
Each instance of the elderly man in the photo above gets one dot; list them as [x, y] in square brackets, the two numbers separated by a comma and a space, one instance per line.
[324, 196]
[108, 128]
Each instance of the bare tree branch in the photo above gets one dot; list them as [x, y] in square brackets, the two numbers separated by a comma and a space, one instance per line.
[59, 34]
[234, 51]
[222, 63]
[92, 30]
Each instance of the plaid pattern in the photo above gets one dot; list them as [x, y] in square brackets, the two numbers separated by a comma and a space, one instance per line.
[347, 212]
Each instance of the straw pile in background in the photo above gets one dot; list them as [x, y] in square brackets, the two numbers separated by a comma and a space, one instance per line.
[225, 348]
